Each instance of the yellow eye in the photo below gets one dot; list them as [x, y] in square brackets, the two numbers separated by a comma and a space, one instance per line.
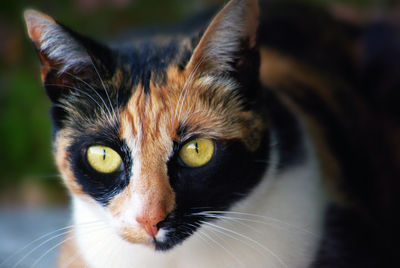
[197, 152]
[103, 159]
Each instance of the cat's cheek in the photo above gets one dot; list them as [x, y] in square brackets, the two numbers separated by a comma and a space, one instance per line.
[64, 166]
[121, 225]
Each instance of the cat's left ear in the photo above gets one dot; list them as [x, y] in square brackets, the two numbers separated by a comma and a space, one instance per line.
[229, 41]
[66, 56]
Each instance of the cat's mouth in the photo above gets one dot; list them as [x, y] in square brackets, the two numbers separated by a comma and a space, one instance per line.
[163, 241]
[174, 232]
[167, 237]
[168, 240]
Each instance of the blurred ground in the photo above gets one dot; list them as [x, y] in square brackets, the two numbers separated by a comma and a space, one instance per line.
[19, 227]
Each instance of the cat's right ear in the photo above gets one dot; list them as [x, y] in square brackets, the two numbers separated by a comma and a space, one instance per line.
[229, 41]
[66, 57]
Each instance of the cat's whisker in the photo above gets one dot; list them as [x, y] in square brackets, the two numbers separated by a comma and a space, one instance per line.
[73, 257]
[117, 102]
[56, 235]
[182, 91]
[264, 217]
[200, 235]
[113, 254]
[94, 229]
[179, 100]
[98, 249]
[79, 90]
[91, 97]
[89, 86]
[238, 239]
[38, 239]
[250, 239]
[222, 239]
[188, 86]
[288, 227]
[235, 220]
[221, 246]
[104, 87]
[188, 82]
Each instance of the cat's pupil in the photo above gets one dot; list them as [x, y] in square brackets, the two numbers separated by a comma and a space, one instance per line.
[194, 146]
[104, 154]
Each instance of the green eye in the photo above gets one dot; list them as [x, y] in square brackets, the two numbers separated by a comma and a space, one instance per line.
[103, 159]
[197, 152]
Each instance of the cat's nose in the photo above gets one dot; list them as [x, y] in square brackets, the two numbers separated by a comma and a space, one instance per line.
[154, 198]
[150, 219]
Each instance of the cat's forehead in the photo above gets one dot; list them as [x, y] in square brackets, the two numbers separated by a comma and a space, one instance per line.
[147, 61]
[185, 105]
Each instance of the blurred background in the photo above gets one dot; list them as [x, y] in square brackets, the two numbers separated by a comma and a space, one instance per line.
[32, 199]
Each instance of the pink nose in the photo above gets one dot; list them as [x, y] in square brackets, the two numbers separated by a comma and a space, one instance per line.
[152, 230]
[149, 222]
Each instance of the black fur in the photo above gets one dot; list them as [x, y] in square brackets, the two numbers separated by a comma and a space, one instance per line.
[148, 61]
[102, 187]
[230, 175]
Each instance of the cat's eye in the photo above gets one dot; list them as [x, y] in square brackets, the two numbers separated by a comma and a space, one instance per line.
[103, 159]
[197, 152]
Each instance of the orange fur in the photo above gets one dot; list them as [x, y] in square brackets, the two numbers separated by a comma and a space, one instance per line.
[62, 161]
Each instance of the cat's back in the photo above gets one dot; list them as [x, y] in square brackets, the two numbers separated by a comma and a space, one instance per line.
[343, 78]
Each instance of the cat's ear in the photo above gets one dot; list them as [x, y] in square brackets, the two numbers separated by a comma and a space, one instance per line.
[66, 57]
[227, 39]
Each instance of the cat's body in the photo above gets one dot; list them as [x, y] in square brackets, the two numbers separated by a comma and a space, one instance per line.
[299, 170]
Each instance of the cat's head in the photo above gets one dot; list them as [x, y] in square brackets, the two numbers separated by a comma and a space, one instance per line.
[152, 134]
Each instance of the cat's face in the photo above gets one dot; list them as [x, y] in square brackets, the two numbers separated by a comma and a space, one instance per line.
[154, 135]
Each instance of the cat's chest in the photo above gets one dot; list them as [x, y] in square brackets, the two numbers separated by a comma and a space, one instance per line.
[278, 225]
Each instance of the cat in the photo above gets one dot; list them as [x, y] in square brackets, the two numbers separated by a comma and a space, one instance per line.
[258, 141]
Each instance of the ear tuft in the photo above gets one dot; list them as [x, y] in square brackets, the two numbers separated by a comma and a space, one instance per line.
[56, 46]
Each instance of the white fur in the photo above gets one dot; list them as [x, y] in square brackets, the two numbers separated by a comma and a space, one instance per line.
[294, 197]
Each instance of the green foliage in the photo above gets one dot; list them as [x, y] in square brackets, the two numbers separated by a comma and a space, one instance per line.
[24, 126]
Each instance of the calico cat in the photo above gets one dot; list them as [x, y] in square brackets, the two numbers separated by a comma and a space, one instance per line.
[257, 141]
